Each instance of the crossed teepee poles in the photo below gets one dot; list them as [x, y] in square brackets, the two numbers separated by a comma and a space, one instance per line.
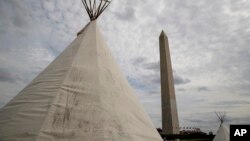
[94, 9]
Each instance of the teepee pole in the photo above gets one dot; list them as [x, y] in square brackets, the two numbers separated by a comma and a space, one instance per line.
[103, 8]
[86, 7]
[94, 9]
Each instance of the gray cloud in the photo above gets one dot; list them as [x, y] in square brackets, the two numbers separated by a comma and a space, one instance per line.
[154, 66]
[6, 76]
[181, 89]
[232, 103]
[178, 80]
[138, 60]
[203, 88]
[239, 120]
[197, 120]
[156, 79]
[126, 14]
[19, 19]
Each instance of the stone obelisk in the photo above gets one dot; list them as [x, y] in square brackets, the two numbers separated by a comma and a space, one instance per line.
[170, 123]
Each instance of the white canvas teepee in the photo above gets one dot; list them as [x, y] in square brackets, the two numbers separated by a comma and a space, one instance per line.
[222, 133]
[81, 96]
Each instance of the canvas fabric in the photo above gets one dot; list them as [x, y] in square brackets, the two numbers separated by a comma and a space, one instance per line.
[81, 96]
[222, 134]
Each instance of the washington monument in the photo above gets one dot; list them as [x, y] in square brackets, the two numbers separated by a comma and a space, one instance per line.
[170, 124]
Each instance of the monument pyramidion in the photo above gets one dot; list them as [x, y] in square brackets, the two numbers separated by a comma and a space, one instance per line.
[81, 96]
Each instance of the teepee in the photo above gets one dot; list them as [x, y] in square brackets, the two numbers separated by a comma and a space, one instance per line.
[81, 96]
[223, 132]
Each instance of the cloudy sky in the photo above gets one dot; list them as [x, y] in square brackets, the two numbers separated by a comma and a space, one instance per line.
[209, 43]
